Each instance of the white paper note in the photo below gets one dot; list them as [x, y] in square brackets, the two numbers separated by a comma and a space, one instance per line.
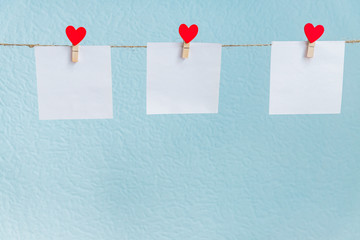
[176, 85]
[68, 90]
[301, 85]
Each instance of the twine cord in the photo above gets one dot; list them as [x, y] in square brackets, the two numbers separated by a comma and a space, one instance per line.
[128, 46]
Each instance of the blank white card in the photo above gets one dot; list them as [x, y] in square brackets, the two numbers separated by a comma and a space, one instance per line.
[176, 85]
[301, 85]
[68, 90]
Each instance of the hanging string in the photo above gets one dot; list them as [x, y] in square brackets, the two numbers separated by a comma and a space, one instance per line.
[126, 46]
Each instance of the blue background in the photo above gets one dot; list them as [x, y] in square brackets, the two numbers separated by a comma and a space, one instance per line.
[239, 174]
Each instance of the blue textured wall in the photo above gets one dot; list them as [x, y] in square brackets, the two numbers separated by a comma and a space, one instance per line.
[239, 174]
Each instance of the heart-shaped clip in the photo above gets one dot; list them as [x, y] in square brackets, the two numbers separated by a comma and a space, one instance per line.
[312, 33]
[187, 34]
[75, 36]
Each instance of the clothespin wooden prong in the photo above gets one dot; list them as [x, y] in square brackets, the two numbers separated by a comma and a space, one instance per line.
[186, 49]
[75, 53]
[310, 50]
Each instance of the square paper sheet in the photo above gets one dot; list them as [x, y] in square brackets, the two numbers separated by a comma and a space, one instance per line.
[301, 85]
[68, 90]
[176, 85]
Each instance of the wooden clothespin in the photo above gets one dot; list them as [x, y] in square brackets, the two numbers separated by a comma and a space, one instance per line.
[186, 49]
[75, 36]
[187, 34]
[312, 33]
[75, 53]
[310, 50]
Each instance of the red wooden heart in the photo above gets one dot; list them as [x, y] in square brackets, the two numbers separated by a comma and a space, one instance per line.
[313, 33]
[75, 35]
[188, 34]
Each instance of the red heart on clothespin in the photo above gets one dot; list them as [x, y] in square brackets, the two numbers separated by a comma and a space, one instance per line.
[313, 33]
[188, 33]
[75, 35]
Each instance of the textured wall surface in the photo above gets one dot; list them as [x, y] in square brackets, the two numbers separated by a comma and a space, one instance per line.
[239, 174]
